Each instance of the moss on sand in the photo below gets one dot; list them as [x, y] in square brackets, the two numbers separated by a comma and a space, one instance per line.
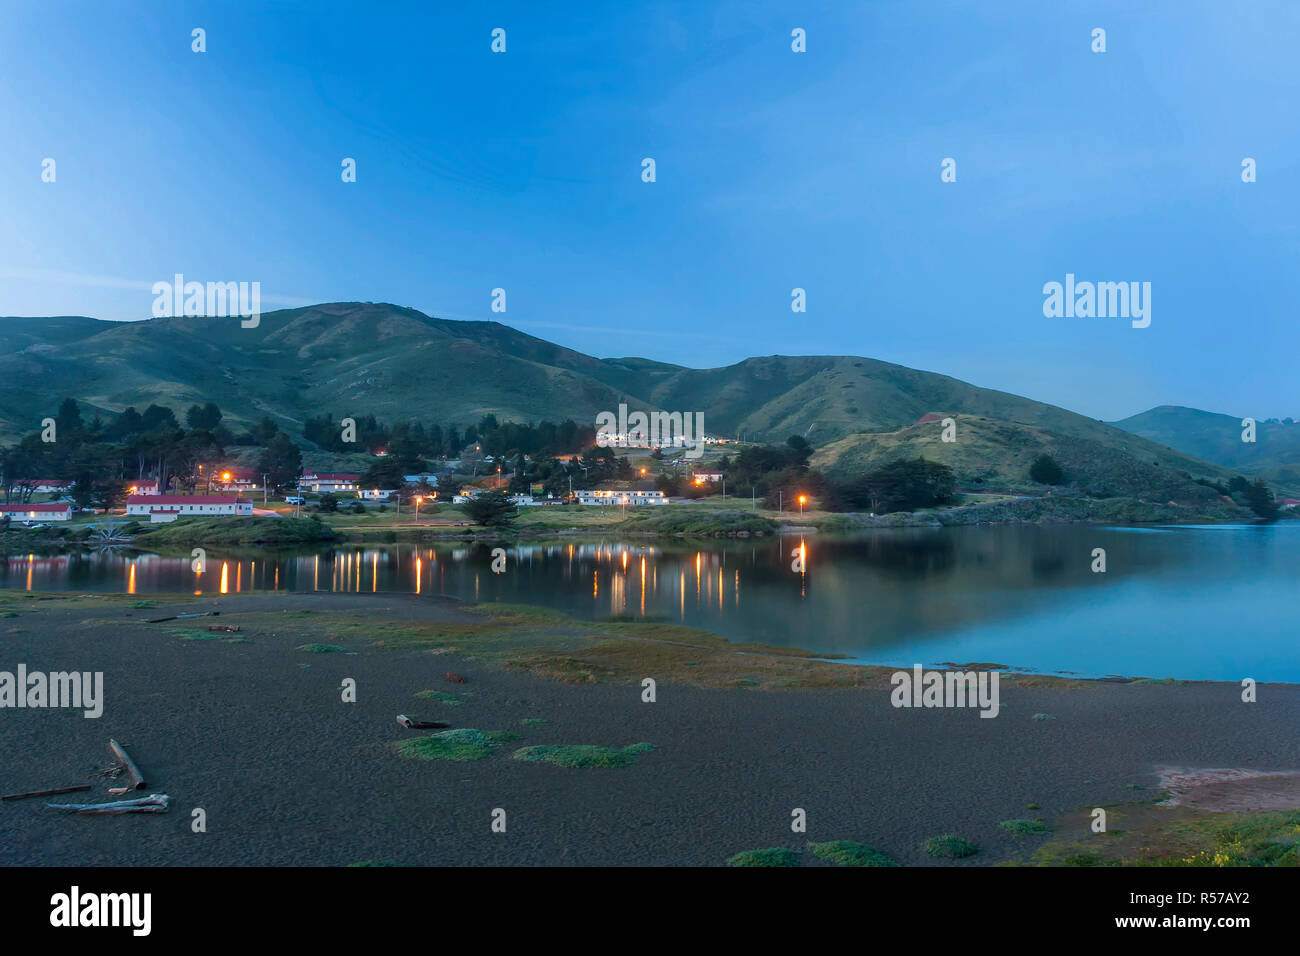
[463, 743]
[583, 755]
[771, 856]
[950, 847]
[850, 853]
[441, 696]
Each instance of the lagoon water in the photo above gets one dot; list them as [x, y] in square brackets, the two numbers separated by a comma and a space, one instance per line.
[1215, 602]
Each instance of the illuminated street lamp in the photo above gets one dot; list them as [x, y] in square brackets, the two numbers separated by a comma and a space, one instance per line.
[418, 499]
[801, 501]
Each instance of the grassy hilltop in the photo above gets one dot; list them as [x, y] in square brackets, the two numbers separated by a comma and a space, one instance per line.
[398, 363]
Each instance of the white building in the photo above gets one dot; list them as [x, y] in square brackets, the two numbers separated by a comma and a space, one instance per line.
[710, 476]
[160, 508]
[424, 477]
[328, 482]
[377, 494]
[236, 479]
[32, 512]
[50, 486]
[621, 498]
[145, 486]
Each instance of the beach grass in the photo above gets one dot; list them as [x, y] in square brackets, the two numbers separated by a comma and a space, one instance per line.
[441, 696]
[950, 847]
[463, 743]
[583, 755]
[1024, 827]
[850, 853]
[770, 856]
[1144, 834]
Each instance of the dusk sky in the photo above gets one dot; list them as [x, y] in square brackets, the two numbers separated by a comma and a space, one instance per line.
[775, 170]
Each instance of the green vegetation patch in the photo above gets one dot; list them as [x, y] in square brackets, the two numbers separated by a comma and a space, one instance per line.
[441, 696]
[319, 648]
[950, 847]
[688, 521]
[463, 743]
[583, 755]
[771, 856]
[850, 853]
[1150, 835]
[1165, 681]
[237, 531]
[1023, 827]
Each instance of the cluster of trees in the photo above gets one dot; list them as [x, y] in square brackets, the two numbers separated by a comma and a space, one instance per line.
[779, 474]
[492, 510]
[897, 486]
[1255, 495]
[100, 458]
[414, 440]
[776, 473]
[1046, 470]
[555, 477]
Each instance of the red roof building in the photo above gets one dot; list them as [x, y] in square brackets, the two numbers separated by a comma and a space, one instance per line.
[207, 506]
[34, 512]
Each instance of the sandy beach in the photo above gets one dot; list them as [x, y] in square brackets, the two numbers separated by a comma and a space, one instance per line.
[254, 731]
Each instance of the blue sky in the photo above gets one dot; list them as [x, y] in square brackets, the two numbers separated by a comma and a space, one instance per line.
[775, 170]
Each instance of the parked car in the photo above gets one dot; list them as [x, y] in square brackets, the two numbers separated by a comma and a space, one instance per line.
[295, 500]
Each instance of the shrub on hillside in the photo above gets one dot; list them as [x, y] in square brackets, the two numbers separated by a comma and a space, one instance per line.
[1045, 470]
[491, 510]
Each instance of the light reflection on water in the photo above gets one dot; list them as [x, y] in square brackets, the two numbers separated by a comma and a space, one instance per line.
[1217, 602]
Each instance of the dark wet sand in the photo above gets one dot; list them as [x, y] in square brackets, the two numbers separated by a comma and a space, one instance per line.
[290, 775]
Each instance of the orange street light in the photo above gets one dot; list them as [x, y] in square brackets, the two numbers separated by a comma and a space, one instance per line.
[802, 499]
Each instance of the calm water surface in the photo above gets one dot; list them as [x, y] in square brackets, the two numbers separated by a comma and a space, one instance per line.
[1214, 602]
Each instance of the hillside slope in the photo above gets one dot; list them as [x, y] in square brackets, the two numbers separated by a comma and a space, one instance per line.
[1217, 438]
[996, 455]
[353, 358]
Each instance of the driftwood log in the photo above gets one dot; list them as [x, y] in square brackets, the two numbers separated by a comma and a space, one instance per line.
[132, 771]
[411, 723]
[177, 617]
[154, 803]
[46, 793]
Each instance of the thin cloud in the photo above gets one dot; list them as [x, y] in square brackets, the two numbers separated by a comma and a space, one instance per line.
[116, 282]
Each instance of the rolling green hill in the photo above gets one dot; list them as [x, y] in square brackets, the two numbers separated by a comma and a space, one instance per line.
[996, 455]
[354, 358]
[1274, 455]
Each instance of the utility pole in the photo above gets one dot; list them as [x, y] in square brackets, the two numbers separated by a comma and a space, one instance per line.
[780, 502]
[264, 491]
